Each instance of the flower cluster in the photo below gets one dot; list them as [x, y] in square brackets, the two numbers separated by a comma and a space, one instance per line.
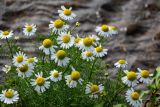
[67, 64]
[132, 79]
[57, 46]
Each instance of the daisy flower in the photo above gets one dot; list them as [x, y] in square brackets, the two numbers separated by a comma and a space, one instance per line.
[65, 40]
[73, 79]
[40, 83]
[25, 70]
[6, 34]
[86, 44]
[77, 41]
[133, 98]
[6, 68]
[103, 31]
[88, 56]
[143, 76]
[60, 57]
[113, 30]
[95, 39]
[55, 76]
[130, 79]
[58, 26]
[121, 63]
[19, 59]
[66, 14]
[99, 51]
[94, 90]
[9, 96]
[29, 29]
[47, 46]
[32, 61]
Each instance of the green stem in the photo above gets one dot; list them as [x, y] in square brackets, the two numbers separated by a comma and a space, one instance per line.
[91, 72]
[50, 56]
[43, 57]
[117, 93]
[10, 48]
[67, 67]
[119, 74]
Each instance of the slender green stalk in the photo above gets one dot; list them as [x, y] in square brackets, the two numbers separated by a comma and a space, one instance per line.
[43, 57]
[91, 72]
[50, 56]
[10, 48]
[119, 76]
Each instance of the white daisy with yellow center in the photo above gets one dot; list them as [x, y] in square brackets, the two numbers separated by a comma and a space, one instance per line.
[133, 98]
[6, 68]
[103, 30]
[6, 34]
[60, 57]
[9, 96]
[25, 70]
[73, 79]
[95, 39]
[19, 59]
[58, 26]
[32, 61]
[113, 30]
[77, 41]
[86, 44]
[40, 83]
[29, 29]
[65, 40]
[94, 90]
[144, 76]
[88, 56]
[55, 76]
[121, 63]
[47, 46]
[130, 79]
[99, 51]
[66, 14]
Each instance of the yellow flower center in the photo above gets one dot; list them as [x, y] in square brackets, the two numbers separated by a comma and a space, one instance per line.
[5, 33]
[30, 60]
[9, 93]
[93, 39]
[88, 54]
[87, 41]
[55, 74]
[135, 95]
[47, 43]
[94, 88]
[121, 61]
[67, 12]
[19, 59]
[75, 75]
[113, 27]
[61, 54]
[145, 73]
[58, 23]
[66, 38]
[131, 75]
[29, 28]
[99, 49]
[40, 81]
[104, 28]
[77, 40]
[23, 68]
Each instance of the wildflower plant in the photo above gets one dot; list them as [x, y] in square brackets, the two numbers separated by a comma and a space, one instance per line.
[69, 71]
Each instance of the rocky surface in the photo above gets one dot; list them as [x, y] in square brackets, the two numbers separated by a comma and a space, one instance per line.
[138, 22]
